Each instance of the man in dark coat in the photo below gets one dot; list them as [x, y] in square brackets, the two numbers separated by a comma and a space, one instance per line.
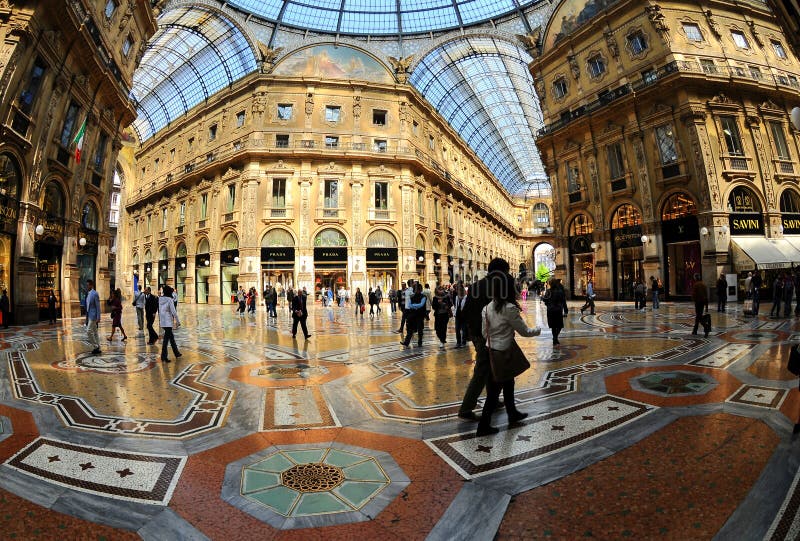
[150, 312]
[477, 298]
[300, 313]
[5, 308]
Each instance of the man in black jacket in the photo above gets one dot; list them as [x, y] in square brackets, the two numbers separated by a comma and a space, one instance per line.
[300, 313]
[150, 311]
[477, 298]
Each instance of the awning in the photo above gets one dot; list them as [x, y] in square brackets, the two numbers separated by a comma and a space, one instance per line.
[794, 240]
[750, 253]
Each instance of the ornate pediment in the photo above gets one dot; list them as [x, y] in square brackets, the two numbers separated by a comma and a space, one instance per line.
[231, 173]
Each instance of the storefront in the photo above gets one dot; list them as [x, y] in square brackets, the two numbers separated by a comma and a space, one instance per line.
[180, 271]
[10, 178]
[202, 263]
[330, 261]
[278, 260]
[163, 266]
[581, 254]
[87, 252]
[48, 251]
[680, 235]
[382, 268]
[627, 250]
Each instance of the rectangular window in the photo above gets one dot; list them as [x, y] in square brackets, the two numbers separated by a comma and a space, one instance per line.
[755, 73]
[149, 224]
[231, 196]
[692, 32]
[111, 7]
[191, 144]
[204, 206]
[127, 46]
[431, 142]
[155, 165]
[100, 153]
[573, 177]
[780, 52]
[740, 39]
[597, 66]
[182, 214]
[560, 88]
[379, 145]
[637, 43]
[333, 113]
[708, 66]
[779, 138]
[282, 140]
[730, 131]
[284, 111]
[172, 155]
[212, 132]
[28, 94]
[279, 193]
[331, 194]
[378, 117]
[665, 140]
[240, 119]
[163, 219]
[615, 165]
[331, 141]
[415, 127]
[69, 124]
[382, 195]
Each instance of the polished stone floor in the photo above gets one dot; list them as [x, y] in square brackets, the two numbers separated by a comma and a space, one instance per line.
[637, 429]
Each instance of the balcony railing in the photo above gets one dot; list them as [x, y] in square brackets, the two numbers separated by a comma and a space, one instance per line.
[202, 224]
[786, 168]
[278, 213]
[382, 215]
[330, 213]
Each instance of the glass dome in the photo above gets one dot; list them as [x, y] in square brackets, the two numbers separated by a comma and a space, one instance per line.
[379, 17]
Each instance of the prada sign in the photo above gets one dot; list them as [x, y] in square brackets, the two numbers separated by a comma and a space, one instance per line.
[746, 224]
[382, 255]
[791, 224]
[282, 254]
[333, 254]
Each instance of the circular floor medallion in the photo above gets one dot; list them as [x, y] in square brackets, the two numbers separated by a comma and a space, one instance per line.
[108, 363]
[312, 477]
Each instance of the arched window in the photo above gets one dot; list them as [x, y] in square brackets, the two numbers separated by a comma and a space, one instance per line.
[90, 217]
[329, 238]
[135, 259]
[677, 206]
[277, 238]
[53, 200]
[202, 246]
[180, 251]
[626, 216]
[10, 176]
[162, 254]
[581, 225]
[380, 238]
[790, 202]
[437, 246]
[541, 215]
[420, 242]
[743, 200]
[148, 257]
[230, 242]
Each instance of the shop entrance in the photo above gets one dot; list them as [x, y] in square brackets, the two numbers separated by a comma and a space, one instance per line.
[48, 277]
[630, 268]
[333, 279]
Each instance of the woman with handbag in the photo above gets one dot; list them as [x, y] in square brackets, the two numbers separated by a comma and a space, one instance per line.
[359, 302]
[556, 302]
[502, 317]
[116, 314]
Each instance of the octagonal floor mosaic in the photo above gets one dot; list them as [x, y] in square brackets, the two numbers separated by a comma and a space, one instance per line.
[348, 435]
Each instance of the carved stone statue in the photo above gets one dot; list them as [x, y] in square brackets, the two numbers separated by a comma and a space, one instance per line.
[573, 66]
[532, 41]
[658, 20]
[613, 48]
[712, 24]
[401, 67]
[268, 56]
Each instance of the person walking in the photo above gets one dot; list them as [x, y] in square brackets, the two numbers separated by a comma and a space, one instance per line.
[442, 312]
[700, 299]
[590, 296]
[116, 315]
[655, 288]
[273, 302]
[92, 315]
[167, 317]
[359, 302]
[378, 299]
[426, 291]
[372, 301]
[241, 297]
[265, 296]
[722, 292]
[404, 300]
[788, 294]
[502, 317]
[138, 303]
[5, 308]
[777, 296]
[289, 298]
[51, 306]
[458, 312]
[300, 313]
[477, 298]
[756, 284]
[392, 300]
[556, 301]
[415, 320]
[150, 312]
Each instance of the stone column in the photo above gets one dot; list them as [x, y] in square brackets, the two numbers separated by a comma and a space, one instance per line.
[358, 274]
[249, 250]
[408, 268]
[305, 250]
[25, 309]
[70, 298]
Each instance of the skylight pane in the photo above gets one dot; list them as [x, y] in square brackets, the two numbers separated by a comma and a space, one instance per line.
[318, 19]
[433, 19]
[385, 6]
[360, 23]
[473, 11]
[269, 9]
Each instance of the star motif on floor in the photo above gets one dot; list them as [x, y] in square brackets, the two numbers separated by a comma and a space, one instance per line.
[54, 458]
[86, 466]
[523, 438]
[124, 473]
[559, 428]
[588, 417]
[613, 408]
[484, 449]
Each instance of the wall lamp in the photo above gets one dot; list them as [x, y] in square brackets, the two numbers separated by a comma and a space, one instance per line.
[82, 241]
[206, 262]
[39, 230]
[183, 265]
[236, 259]
[704, 231]
[645, 239]
[596, 246]
[420, 259]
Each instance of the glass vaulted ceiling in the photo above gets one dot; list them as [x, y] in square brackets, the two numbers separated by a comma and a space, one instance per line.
[483, 88]
[379, 17]
[195, 53]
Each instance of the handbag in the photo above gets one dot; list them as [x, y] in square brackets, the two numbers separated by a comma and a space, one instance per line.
[794, 361]
[298, 313]
[748, 306]
[362, 308]
[507, 364]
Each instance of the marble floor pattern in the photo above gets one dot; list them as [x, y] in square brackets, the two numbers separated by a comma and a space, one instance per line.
[636, 429]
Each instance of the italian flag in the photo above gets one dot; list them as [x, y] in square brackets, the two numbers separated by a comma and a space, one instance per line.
[79, 137]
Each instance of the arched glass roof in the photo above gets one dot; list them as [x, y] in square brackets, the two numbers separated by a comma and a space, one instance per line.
[195, 53]
[379, 17]
[483, 88]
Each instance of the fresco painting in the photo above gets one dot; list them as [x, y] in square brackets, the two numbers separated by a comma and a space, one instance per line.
[570, 15]
[331, 62]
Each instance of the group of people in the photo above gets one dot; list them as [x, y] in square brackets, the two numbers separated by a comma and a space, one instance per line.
[639, 287]
[147, 305]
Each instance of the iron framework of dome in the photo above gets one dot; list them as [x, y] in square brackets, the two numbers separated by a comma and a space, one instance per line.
[379, 17]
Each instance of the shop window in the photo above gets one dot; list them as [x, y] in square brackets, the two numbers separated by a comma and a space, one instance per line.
[743, 200]
[284, 111]
[597, 66]
[626, 216]
[730, 131]
[333, 113]
[282, 140]
[560, 88]
[780, 52]
[790, 202]
[378, 117]
[740, 39]
[240, 116]
[231, 197]
[581, 225]
[637, 43]
[677, 206]
[279, 193]
[89, 217]
[779, 140]
[573, 177]
[331, 197]
[692, 32]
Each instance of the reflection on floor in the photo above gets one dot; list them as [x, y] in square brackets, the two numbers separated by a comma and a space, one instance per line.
[637, 429]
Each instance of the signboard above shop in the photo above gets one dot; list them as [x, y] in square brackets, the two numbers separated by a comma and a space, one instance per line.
[382, 255]
[331, 254]
[746, 224]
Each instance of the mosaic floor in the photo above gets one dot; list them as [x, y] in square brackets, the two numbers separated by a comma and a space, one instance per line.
[636, 429]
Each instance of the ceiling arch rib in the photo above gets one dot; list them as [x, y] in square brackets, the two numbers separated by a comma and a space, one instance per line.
[379, 17]
[482, 87]
[196, 52]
